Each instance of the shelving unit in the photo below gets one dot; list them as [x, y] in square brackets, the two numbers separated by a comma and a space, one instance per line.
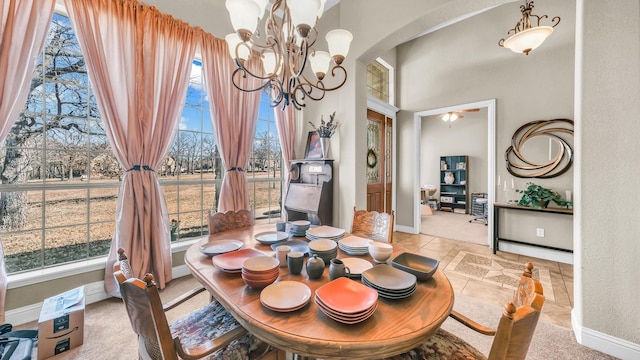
[454, 196]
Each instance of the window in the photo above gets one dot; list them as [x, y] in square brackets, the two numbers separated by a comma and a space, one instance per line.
[378, 81]
[60, 179]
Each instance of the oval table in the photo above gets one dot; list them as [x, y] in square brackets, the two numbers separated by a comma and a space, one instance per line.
[397, 326]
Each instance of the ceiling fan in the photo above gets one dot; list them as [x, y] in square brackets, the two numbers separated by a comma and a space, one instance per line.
[452, 116]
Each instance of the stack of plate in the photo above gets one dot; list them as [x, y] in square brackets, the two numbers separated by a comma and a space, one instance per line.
[354, 245]
[260, 271]
[326, 249]
[285, 296]
[346, 301]
[390, 282]
[356, 266]
[325, 232]
[231, 262]
[299, 227]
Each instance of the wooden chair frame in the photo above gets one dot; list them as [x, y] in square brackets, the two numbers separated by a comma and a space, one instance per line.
[367, 223]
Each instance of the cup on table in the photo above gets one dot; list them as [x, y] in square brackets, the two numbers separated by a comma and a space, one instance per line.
[281, 226]
[281, 254]
[295, 260]
[338, 269]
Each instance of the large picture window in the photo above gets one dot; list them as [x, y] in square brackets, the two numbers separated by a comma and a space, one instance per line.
[59, 179]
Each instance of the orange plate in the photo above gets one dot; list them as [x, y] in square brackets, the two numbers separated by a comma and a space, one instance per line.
[347, 296]
[233, 260]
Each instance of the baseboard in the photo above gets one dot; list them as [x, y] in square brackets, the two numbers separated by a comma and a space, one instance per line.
[538, 252]
[607, 344]
[405, 229]
[94, 292]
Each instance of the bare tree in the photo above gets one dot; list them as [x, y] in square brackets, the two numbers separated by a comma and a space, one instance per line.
[58, 111]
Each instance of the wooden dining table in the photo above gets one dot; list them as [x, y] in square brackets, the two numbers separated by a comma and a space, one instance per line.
[396, 326]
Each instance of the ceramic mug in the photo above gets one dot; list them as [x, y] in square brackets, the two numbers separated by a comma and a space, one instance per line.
[338, 269]
[281, 254]
[295, 261]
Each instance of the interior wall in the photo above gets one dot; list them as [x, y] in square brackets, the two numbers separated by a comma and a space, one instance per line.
[462, 64]
[608, 175]
[466, 136]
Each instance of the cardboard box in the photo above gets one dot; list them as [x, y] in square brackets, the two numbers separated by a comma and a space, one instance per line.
[61, 323]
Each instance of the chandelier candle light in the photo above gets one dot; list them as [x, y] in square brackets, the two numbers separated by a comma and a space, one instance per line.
[526, 37]
[287, 46]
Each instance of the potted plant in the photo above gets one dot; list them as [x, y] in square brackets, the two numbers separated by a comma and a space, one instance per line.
[174, 229]
[539, 197]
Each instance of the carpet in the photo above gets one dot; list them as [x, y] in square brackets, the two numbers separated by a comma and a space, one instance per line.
[549, 341]
[454, 226]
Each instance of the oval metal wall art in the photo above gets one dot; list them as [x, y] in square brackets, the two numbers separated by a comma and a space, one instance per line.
[558, 164]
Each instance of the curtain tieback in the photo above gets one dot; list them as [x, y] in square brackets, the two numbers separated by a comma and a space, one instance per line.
[236, 169]
[137, 168]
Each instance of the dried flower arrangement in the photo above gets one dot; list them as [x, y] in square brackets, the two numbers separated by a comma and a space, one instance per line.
[326, 129]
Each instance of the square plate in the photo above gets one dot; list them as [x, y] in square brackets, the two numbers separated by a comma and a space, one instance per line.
[390, 278]
[347, 296]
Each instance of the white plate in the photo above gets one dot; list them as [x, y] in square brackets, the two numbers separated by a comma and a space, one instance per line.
[355, 242]
[271, 237]
[217, 247]
[325, 232]
[285, 296]
[356, 266]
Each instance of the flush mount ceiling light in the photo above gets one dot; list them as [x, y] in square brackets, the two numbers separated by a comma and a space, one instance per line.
[286, 49]
[526, 37]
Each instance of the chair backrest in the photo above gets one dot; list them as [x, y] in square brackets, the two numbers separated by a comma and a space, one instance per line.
[147, 317]
[519, 320]
[123, 265]
[373, 225]
[219, 221]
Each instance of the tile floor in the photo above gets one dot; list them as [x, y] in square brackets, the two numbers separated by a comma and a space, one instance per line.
[474, 271]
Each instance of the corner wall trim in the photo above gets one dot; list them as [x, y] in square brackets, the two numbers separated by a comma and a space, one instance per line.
[94, 292]
[607, 344]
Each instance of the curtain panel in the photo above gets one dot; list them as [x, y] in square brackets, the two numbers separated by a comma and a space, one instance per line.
[286, 126]
[234, 116]
[139, 62]
[23, 26]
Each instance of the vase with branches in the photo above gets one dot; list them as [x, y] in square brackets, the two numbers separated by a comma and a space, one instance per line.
[328, 128]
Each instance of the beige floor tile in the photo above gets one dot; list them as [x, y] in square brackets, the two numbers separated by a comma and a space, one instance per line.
[557, 282]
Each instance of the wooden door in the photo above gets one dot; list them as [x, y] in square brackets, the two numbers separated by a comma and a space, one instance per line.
[378, 162]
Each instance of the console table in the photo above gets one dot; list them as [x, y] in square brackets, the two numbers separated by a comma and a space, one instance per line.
[496, 224]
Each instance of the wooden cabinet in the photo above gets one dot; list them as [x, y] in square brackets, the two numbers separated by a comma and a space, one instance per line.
[454, 184]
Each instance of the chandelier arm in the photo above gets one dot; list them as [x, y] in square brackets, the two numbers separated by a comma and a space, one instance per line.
[247, 71]
[242, 73]
[555, 21]
[333, 75]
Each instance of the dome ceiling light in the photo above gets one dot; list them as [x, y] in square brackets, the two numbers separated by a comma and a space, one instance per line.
[525, 37]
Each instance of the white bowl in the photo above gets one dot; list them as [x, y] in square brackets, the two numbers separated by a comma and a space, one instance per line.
[380, 251]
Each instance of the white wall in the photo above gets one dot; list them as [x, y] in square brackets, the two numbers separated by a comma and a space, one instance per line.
[607, 173]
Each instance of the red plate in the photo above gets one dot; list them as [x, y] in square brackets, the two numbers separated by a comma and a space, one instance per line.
[232, 261]
[347, 296]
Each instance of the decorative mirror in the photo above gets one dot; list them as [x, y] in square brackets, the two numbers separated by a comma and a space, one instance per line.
[525, 157]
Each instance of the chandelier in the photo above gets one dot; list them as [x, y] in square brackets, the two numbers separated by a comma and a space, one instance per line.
[526, 37]
[287, 46]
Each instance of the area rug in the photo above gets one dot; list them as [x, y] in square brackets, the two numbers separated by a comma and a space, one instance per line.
[499, 272]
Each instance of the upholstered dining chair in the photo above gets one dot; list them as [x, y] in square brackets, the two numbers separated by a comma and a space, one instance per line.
[511, 339]
[209, 332]
[373, 225]
[223, 221]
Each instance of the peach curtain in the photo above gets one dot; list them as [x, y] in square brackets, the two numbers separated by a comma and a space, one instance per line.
[139, 62]
[286, 125]
[23, 26]
[234, 115]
